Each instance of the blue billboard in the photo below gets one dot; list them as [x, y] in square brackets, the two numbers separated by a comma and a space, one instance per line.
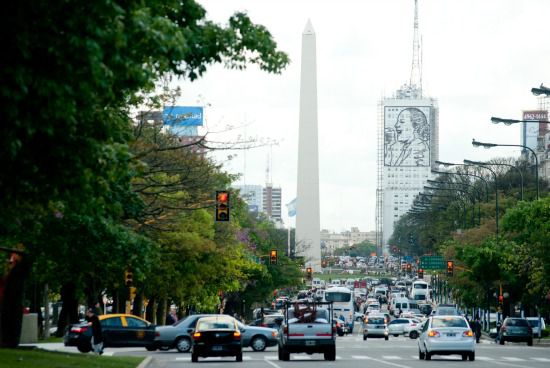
[182, 115]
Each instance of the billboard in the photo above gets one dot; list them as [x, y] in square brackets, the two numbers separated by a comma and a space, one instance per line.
[531, 132]
[183, 116]
[407, 134]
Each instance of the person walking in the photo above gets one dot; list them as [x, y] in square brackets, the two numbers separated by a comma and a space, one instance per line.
[477, 329]
[97, 333]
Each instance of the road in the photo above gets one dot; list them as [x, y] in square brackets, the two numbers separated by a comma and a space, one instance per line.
[352, 351]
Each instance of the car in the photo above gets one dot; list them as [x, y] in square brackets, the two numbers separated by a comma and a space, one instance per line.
[358, 316]
[446, 310]
[119, 330]
[375, 326]
[446, 335]
[413, 329]
[516, 330]
[397, 326]
[534, 323]
[178, 335]
[271, 321]
[258, 338]
[217, 335]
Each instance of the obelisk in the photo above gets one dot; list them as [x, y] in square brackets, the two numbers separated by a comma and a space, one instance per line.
[308, 224]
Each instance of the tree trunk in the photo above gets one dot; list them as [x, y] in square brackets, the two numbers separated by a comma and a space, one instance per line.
[69, 311]
[161, 312]
[46, 313]
[11, 309]
[138, 305]
[151, 311]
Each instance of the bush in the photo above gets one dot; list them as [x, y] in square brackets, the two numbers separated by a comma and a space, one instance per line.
[546, 332]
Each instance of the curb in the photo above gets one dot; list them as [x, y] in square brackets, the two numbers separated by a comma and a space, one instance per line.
[146, 362]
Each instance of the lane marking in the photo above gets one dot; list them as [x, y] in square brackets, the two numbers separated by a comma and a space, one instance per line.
[513, 359]
[272, 363]
[541, 359]
[391, 357]
[360, 357]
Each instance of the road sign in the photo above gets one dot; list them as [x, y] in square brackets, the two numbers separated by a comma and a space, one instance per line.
[433, 263]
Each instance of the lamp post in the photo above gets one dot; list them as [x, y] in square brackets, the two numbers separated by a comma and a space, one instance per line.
[473, 197]
[467, 174]
[517, 169]
[449, 196]
[496, 120]
[491, 145]
[482, 164]
[542, 90]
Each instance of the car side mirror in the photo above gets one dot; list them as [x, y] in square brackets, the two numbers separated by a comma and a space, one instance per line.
[190, 330]
[243, 329]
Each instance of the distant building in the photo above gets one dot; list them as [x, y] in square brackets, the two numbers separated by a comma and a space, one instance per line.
[333, 241]
[267, 200]
[272, 202]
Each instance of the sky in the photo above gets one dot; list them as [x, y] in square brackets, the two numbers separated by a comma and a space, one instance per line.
[480, 58]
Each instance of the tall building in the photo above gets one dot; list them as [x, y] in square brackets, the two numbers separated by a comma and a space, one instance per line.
[252, 195]
[308, 221]
[267, 200]
[272, 202]
[408, 145]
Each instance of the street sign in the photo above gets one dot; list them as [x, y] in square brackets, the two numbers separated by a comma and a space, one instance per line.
[433, 263]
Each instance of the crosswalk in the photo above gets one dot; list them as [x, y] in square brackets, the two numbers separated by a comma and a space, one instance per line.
[299, 357]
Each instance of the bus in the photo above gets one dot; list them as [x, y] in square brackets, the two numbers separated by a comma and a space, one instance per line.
[419, 290]
[343, 300]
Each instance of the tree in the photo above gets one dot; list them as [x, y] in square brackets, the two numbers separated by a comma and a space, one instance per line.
[71, 74]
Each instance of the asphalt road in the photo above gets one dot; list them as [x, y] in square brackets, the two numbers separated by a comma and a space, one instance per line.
[352, 351]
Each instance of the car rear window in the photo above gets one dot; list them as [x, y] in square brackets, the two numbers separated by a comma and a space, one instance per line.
[449, 322]
[215, 324]
[111, 322]
[517, 322]
[376, 321]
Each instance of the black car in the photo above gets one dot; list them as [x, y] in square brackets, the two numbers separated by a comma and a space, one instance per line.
[217, 336]
[516, 330]
[119, 330]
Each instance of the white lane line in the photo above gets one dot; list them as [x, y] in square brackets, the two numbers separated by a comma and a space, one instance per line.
[484, 358]
[513, 359]
[360, 357]
[415, 357]
[541, 359]
[391, 357]
[271, 357]
[184, 359]
[338, 357]
[272, 363]
[388, 363]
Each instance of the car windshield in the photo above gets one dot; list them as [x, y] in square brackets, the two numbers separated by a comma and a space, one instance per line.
[420, 286]
[337, 297]
[517, 322]
[449, 322]
[446, 311]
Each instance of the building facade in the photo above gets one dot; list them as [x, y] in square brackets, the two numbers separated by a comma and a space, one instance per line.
[267, 200]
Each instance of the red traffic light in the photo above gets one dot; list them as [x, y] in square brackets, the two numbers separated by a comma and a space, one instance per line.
[222, 206]
[450, 268]
[273, 257]
[223, 196]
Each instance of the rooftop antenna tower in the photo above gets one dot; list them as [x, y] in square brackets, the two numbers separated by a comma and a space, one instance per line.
[416, 69]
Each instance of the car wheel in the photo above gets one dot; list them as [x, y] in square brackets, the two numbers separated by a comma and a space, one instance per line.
[258, 343]
[464, 356]
[395, 335]
[285, 355]
[413, 335]
[164, 348]
[84, 348]
[151, 348]
[530, 342]
[428, 356]
[194, 358]
[240, 357]
[331, 354]
[472, 356]
[183, 344]
[421, 355]
[501, 341]
[386, 338]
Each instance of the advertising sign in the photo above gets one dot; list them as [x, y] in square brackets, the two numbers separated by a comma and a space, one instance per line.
[407, 134]
[530, 132]
[181, 116]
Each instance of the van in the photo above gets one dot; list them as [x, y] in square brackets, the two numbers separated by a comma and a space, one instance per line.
[419, 290]
[405, 305]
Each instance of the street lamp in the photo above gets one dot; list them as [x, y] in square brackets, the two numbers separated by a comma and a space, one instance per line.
[482, 164]
[517, 169]
[542, 90]
[437, 182]
[450, 196]
[467, 174]
[491, 145]
[496, 120]
[472, 199]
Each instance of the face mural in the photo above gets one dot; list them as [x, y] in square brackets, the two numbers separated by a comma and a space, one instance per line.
[406, 137]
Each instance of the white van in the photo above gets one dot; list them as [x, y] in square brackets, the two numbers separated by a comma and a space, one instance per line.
[419, 290]
[403, 304]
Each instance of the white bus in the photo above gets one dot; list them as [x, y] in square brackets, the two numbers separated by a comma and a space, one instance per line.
[419, 290]
[342, 299]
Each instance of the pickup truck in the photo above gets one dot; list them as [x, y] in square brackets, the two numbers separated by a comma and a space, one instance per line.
[307, 328]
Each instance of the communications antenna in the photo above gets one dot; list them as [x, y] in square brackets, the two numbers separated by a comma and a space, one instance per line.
[416, 69]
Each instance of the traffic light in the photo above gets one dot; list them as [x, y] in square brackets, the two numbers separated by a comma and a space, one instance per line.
[273, 257]
[409, 267]
[128, 278]
[309, 273]
[222, 205]
[420, 273]
[133, 291]
[450, 268]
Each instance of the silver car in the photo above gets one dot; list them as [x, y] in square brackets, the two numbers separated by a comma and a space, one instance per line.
[177, 335]
[258, 338]
[446, 335]
[375, 326]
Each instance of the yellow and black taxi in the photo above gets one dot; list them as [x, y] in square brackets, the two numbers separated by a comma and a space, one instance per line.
[217, 335]
[119, 330]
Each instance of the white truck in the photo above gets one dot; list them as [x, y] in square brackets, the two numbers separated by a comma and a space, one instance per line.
[308, 328]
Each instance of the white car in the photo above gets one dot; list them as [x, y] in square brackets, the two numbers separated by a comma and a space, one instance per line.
[446, 335]
[413, 329]
[397, 326]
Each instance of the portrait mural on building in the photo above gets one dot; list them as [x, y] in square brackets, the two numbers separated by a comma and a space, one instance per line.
[406, 136]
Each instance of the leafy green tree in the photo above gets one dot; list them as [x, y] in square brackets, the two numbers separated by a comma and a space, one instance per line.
[363, 249]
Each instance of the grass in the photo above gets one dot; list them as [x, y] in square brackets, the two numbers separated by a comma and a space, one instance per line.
[51, 339]
[36, 358]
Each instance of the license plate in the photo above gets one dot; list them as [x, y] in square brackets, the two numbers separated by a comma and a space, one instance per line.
[310, 342]
[451, 334]
[216, 348]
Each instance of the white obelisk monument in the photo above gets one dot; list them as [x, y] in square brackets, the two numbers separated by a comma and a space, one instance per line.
[308, 224]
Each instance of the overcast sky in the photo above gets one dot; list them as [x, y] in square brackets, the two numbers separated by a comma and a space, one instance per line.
[480, 59]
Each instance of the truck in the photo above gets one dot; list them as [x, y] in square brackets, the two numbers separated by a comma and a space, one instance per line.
[308, 327]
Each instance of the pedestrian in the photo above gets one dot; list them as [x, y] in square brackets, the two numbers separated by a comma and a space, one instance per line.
[400, 313]
[97, 333]
[477, 328]
[171, 317]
